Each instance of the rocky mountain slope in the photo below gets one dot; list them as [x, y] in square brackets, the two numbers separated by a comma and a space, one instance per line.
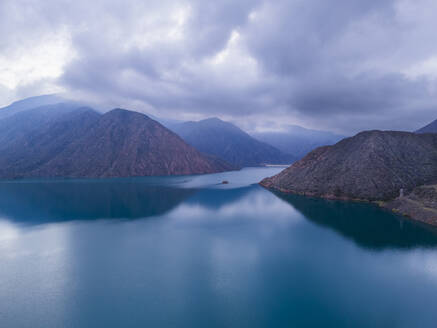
[29, 103]
[84, 143]
[225, 140]
[373, 165]
[430, 128]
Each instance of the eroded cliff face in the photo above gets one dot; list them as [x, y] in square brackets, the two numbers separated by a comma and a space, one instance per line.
[373, 165]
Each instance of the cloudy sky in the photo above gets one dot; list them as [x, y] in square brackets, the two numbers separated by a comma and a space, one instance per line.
[341, 65]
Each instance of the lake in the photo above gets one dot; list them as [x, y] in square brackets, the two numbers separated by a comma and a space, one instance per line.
[191, 252]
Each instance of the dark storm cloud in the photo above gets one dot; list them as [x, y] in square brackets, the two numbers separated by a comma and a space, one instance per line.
[367, 93]
[341, 62]
[346, 65]
[296, 36]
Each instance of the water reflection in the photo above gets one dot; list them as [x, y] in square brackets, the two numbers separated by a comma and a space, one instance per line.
[217, 198]
[234, 257]
[37, 202]
[40, 202]
[366, 224]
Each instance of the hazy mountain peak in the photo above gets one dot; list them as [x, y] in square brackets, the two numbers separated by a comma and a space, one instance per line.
[29, 103]
[227, 141]
[36, 101]
[216, 122]
[213, 120]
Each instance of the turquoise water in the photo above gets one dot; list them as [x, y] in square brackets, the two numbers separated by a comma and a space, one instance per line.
[190, 252]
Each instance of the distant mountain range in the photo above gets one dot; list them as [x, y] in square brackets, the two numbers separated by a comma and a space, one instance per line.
[297, 140]
[219, 138]
[45, 137]
[29, 103]
[373, 165]
[65, 141]
[227, 141]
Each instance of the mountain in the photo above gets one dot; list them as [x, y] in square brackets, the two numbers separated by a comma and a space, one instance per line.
[373, 165]
[225, 140]
[430, 128]
[28, 126]
[297, 140]
[83, 143]
[30, 139]
[29, 103]
[167, 122]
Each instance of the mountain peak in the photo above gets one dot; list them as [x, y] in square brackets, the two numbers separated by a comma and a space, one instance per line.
[227, 141]
[213, 119]
[215, 122]
[120, 143]
[123, 111]
[30, 103]
[125, 115]
[372, 165]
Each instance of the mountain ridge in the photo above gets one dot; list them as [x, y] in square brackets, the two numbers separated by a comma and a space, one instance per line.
[119, 143]
[30, 103]
[227, 141]
[372, 165]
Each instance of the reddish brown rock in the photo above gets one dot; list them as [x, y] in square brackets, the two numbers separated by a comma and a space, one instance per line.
[373, 165]
[120, 143]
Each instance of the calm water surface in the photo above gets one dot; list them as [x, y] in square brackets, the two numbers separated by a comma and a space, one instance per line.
[189, 252]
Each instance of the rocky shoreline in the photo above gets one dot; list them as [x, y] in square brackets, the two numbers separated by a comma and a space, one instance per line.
[396, 170]
[413, 206]
[419, 205]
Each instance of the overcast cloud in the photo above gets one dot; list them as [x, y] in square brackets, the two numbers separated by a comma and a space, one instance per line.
[343, 65]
